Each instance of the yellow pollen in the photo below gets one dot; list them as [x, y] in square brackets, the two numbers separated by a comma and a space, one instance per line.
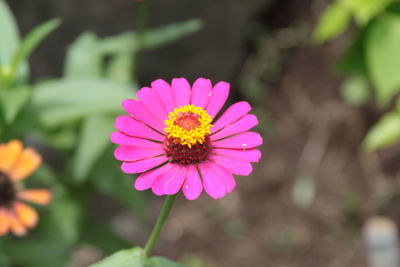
[188, 125]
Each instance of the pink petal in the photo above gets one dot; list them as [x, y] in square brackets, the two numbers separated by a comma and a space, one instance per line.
[132, 127]
[232, 114]
[120, 138]
[139, 111]
[242, 125]
[228, 178]
[234, 165]
[240, 141]
[142, 165]
[158, 184]
[251, 155]
[146, 180]
[130, 153]
[213, 183]
[218, 97]
[165, 92]
[192, 187]
[174, 183]
[152, 102]
[181, 91]
[201, 92]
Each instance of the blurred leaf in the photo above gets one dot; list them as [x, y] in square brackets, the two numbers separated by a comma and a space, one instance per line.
[384, 133]
[66, 214]
[303, 191]
[9, 41]
[383, 56]
[120, 187]
[157, 37]
[124, 258]
[102, 236]
[84, 58]
[60, 102]
[355, 90]
[353, 60]
[162, 262]
[120, 68]
[121, 43]
[94, 139]
[13, 100]
[365, 10]
[30, 42]
[34, 253]
[332, 23]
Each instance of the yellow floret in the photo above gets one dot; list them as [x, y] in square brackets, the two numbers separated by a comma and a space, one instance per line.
[192, 136]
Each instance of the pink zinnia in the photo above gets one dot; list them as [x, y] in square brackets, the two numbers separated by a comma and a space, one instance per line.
[171, 138]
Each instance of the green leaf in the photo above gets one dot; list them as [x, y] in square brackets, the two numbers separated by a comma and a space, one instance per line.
[353, 60]
[102, 236]
[30, 42]
[94, 139]
[384, 133]
[13, 100]
[63, 101]
[355, 90]
[66, 215]
[84, 58]
[155, 38]
[9, 42]
[332, 23]
[121, 43]
[134, 257]
[365, 10]
[120, 188]
[120, 68]
[34, 253]
[383, 56]
[162, 262]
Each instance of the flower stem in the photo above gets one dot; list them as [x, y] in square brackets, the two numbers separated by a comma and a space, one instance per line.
[169, 201]
[143, 17]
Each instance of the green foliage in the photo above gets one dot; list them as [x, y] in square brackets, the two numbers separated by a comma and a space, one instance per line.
[9, 42]
[332, 23]
[61, 101]
[383, 56]
[385, 133]
[372, 60]
[93, 141]
[355, 90]
[135, 257]
[12, 101]
[71, 119]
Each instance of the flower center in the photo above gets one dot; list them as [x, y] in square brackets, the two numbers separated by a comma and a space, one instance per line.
[7, 190]
[188, 130]
[188, 125]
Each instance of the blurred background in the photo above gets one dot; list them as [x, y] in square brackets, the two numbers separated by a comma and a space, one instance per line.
[322, 76]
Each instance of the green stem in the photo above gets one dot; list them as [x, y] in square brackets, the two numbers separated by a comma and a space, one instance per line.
[143, 17]
[169, 201]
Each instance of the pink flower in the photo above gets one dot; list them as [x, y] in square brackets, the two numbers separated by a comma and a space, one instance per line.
[172, 138]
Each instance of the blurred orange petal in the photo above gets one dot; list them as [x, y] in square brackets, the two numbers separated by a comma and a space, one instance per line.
[27, 163]
[4, 222]
[25, 214]
[36, 196]
[9, 154]
[16, 226]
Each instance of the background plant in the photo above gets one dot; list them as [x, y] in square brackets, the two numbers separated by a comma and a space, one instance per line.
[69, 120]
[371, 61]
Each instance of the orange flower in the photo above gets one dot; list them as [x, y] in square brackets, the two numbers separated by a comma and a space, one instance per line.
[17, 163]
